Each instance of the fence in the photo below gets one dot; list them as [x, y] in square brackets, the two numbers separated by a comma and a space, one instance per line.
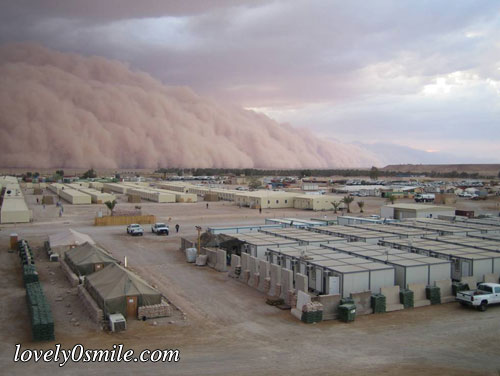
[117, 220]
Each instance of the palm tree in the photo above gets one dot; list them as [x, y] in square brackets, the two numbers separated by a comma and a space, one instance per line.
[336, 205]
[361, 204]
[347, 200]
[111, 205]
[392, 199]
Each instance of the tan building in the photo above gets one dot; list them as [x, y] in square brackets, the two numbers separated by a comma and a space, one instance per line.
[14, 208]
[315, 202]
[264, 199]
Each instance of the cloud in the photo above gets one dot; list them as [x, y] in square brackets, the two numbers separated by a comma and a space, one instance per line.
[357, 70]
[66, 110]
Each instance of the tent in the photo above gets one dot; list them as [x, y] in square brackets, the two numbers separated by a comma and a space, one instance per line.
[88, 258]
[118, 290]
[67, 239]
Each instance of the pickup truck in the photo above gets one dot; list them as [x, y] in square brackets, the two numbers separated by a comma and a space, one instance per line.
[160, 229]
[486, 294]
[135, 229]
[425, 197]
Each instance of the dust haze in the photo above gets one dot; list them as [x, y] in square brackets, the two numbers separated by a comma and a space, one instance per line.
[66, 110]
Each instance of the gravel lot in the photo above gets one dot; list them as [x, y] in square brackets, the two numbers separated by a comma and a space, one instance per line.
[223, 327]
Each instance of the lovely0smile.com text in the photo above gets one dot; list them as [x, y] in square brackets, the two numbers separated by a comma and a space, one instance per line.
[79, 354]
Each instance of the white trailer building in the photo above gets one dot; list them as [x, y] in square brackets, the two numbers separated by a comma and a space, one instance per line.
[407, 211]
[409, 267]
[332, 272]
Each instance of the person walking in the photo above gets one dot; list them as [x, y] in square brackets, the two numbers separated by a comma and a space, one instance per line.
[60, 212]
[260, 210]
[177, 227]
[207, 205]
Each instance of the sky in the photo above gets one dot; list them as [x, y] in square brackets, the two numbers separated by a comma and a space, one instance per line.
[412, 81]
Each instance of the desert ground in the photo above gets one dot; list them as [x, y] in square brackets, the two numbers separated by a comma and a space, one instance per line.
[223, 327]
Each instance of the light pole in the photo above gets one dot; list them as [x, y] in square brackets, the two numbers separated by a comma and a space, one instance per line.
[198, 228]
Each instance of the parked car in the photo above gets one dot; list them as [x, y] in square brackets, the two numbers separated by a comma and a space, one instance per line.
[160, 229]
[135, 229]
[484, 295]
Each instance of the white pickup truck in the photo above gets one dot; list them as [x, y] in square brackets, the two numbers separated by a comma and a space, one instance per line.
[160, 229]
[486, 294]
[135, 230]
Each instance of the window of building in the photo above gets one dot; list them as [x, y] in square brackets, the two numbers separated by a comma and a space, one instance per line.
[277, 201]
[268, 201]
[286, 201]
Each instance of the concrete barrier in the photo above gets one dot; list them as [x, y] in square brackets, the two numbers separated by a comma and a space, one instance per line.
[263, 276]
[391, 298]
[302, 299]
[301, 282]
[491, 278]
[245, 274]
[419, 297]
[363, 302]
[330, 305]
[275, 280]
[221, 264]
[235, 262]
[445, 290]
[286, 284]
[211, 256]
[471, 281]
[252, 268]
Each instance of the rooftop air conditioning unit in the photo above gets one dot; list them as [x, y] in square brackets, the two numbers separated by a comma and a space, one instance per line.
[117, 322]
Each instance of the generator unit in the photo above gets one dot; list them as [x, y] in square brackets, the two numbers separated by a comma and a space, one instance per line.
[117, 322]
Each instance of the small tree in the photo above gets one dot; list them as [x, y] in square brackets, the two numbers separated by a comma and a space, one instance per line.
[254, 183]
[336, 205]
[374, 173]
[347, 200]
[89, 174]
[361, 204]
[111, 205]
[392, 199]
[60, 173]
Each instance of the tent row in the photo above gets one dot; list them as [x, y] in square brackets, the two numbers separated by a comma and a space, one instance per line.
[114, 288]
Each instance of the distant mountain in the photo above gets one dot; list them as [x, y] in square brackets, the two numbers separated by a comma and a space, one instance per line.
[396, 154]
[482, 169]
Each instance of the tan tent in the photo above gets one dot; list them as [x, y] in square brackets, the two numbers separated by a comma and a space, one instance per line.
[67, 239]
[88, 258]
[118, 290]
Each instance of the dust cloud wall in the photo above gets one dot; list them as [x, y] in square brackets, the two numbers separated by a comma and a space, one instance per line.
[66, 110]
